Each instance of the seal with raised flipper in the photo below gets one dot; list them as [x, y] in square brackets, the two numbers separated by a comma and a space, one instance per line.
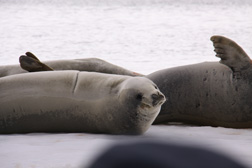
[73, 101]
[210, 93]
[29, 62]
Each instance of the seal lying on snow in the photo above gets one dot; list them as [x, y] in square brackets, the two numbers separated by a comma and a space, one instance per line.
[31, 63]
[215, 94]
[73, 101]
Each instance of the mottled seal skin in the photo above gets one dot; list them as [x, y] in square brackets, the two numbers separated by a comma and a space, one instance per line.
[31, 63]
[73, 101]
[210, 93]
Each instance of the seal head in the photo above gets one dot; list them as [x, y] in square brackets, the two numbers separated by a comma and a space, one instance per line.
[147, 100]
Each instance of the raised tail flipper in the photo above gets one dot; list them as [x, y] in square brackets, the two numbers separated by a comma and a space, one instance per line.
[31, 63]
[230, 53]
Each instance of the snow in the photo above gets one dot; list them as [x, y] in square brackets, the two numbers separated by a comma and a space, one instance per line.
[79, 149]
[143, 36]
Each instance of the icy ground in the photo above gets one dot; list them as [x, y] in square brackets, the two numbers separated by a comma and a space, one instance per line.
[76, 150]
[143, 36]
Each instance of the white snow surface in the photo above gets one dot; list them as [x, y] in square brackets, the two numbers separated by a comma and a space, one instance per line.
[143, 36]
[80, 149]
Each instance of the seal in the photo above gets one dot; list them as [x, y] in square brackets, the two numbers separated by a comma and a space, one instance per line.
[210, 93]
[73, 101]
[29, 62]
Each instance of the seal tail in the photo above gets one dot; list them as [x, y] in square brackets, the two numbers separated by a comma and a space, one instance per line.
[230, 53]
[31, 55]
[31, 63]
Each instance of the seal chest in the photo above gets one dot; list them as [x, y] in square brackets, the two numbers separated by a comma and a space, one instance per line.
[73, 101]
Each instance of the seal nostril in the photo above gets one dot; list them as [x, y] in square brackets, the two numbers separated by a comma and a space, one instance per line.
[155, 96]
[157, 99]
[161, 96]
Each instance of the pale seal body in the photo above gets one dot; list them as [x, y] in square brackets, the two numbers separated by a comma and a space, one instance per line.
[215, 94]
[72, 101]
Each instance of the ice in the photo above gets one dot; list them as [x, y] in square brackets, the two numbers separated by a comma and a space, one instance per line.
[79, 149]
[143, 36]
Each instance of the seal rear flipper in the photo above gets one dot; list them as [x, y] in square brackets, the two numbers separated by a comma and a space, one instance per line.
[29, 54]
[230, 53]
[31, 63]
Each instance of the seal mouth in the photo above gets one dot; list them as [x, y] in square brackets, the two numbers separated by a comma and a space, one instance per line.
[144, 105]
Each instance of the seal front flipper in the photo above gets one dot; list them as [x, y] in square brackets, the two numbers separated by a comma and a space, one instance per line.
[31, 63]
[230, 53]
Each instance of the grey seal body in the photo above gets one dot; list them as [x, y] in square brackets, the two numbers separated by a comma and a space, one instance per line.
[73, 101]
[7, 70]
[86, 64]
[205, 94]
[210, 93]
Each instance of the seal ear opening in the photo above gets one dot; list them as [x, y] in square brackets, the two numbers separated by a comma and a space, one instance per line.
[230, 53]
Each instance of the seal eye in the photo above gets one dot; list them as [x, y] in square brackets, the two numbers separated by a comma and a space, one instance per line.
[139, 96]
[155, 87]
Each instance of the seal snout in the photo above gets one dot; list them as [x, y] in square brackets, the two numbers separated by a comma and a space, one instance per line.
[157, 98]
